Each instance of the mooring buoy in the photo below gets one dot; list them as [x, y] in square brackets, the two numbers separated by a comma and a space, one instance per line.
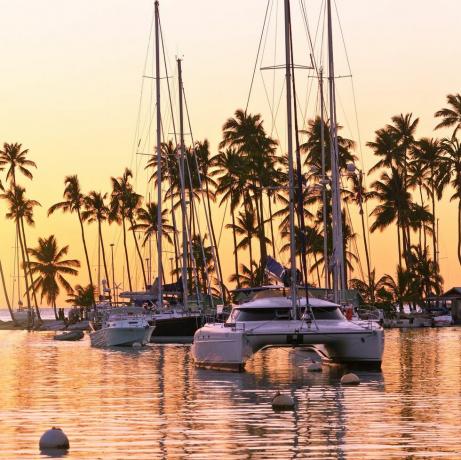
[282, 402]
[54, 439]
[350, 379]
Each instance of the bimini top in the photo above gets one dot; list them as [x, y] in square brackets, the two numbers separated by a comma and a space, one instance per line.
[285, 302]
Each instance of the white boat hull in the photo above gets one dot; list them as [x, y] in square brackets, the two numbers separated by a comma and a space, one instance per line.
[229, 347]
[121, 337]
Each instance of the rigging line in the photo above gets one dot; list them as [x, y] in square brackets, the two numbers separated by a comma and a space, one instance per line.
[257, 55]
[168, 86]
[274, 71]
[359, 137]
[207, 216]
[136, 134]
[271, 109]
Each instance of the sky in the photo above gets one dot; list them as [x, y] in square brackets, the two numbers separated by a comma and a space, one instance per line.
[72, 74]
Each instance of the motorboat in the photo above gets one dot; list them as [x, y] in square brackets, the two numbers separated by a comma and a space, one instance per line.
[442, 320]
[122, 327]
[270, 321]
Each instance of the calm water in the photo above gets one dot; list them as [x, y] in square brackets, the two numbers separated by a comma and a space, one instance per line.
[152, 403]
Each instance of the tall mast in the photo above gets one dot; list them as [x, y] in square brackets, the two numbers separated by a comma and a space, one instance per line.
[324, 183]
[290, 155]
[338, 243]
[183, 192]
[159, 158]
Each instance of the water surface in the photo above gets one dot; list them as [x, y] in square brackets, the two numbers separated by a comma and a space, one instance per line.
[153, 403]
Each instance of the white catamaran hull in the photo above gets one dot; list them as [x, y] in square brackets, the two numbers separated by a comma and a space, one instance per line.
[120, 337]
[228, 347]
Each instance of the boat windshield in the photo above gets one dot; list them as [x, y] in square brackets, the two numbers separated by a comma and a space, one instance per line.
[259, 314]
[282, 314]
[321, 313]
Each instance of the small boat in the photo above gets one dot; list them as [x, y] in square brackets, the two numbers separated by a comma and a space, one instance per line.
[122, 327]
[442, 320]
[69, 336]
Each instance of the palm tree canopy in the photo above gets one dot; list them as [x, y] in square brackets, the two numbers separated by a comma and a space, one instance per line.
[15, 157]
[96, 209]
[49, 267]
[19, 206]
[74, 199]
[451, 116]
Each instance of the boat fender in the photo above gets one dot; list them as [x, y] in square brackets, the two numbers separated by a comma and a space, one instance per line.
[282, 402]
[137, 345]
[350, 379]
[54, 439]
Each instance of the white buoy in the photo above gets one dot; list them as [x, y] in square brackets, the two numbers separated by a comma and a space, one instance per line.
[350, 379]
[282, 402]
[314, 366]
[137, 345]
[54, 439]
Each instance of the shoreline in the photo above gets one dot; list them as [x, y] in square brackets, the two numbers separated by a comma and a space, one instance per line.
[48, 325]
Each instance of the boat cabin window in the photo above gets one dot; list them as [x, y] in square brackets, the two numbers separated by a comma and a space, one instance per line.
[321, 313]
[260, 314]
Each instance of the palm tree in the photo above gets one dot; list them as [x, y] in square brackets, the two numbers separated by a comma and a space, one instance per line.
[404, 288]
[74, 202]
[449, 173]
[82, 296]
[50, 267]
[20, 209]
[428, 153]
[97, 211]
[230, 185]
[147, 221]
[123, 205]
[450, 116]
[15, 157]
[245, 133]
[426, 270]
[313, 146]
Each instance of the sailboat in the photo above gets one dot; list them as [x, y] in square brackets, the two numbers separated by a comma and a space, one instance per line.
[176, 317]
[289, 316]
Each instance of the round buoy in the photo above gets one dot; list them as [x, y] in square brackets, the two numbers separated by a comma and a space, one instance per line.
[282, 402]
[54, 439]
[314, 366]
[350, 379]
[137, 345]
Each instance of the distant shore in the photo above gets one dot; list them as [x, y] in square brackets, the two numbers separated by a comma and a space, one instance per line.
[47, 325]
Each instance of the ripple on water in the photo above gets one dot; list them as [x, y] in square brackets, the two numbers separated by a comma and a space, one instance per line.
[152, 403]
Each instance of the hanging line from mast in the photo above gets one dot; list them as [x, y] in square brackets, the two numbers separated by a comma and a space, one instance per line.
[257, 55]
[207, 210]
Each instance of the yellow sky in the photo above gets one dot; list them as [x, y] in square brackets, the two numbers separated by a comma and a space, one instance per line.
[71, 75]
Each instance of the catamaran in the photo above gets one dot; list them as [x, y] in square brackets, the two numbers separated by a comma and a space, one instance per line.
[291, 317]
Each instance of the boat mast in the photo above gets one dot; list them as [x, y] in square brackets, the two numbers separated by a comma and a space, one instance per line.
[183, 193]
[338, 243]
[324, 183]
[159, 159]
[290, 155]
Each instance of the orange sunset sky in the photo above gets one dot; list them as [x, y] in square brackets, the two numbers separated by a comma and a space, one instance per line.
[71, 76]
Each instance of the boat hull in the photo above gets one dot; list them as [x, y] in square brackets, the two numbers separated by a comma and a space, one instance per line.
[176, 328]
[226, 347]
[120, 337]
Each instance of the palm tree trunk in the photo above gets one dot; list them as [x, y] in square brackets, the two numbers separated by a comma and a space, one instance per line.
[398, 245]
[459, 232]
[26, 279]
[82, 231]
[54, 308]
[251, 258]
[37, 311]
[103, 255]
[126, 254]
[5, 292]
[139, 253]
[262, 235]
[434, 230]
[234, 237]
[367, 255]
[271, 224]
[213, 240]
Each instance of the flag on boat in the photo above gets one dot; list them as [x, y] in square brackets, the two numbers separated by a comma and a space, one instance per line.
[280, 273]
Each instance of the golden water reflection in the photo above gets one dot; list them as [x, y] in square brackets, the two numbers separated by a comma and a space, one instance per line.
[152, 403]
